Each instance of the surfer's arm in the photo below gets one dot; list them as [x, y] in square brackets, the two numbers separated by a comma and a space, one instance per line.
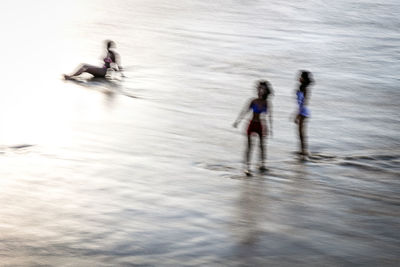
[242, 114]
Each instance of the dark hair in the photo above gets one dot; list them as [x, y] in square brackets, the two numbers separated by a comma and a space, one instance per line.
[306, 77]
[267, 87]
[109, 44]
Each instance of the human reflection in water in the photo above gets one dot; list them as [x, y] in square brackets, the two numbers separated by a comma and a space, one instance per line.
[303, 113]
[250, 225]
[251, 204]
[258, 124]
[111, 62]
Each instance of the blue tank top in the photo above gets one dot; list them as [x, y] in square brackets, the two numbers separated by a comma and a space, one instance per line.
[300, 98]
[303, 110]
[257, 109]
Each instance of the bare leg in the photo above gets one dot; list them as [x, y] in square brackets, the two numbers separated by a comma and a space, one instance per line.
[95, 71]
[302, 136]
[248, 152]
[262, 153]
[81, 69]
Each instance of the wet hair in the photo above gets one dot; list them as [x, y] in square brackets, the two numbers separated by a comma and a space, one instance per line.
[267, 88]
[109, 44]
[306, 77]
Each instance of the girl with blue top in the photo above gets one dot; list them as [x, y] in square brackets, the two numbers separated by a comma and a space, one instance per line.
[303, 111]
[258, 125]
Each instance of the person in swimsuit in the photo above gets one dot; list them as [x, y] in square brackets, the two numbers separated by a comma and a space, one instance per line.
[111, 60]
[258, 124]
[303, 112]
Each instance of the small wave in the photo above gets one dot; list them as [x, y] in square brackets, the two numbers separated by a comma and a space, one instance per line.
[216, 166]
[20, 146]
[362, 166]
[378, 162]
[374, 157]
[381, 163]
[283, 170]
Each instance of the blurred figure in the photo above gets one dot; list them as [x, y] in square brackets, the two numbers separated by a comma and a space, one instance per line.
[258, 123]
[111, 61]
[302, 95]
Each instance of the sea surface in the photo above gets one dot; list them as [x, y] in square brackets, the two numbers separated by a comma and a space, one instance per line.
[147, 170]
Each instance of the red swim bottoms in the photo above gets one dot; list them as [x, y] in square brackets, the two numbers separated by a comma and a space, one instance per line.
[256, 127]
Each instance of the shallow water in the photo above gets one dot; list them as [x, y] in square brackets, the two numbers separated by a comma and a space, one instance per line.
[147, 170]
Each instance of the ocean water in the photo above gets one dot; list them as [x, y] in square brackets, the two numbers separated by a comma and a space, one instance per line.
[147, 169]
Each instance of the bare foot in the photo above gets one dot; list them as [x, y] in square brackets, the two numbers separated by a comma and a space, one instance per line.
[67, 77]
[263, 169]
[304, 153]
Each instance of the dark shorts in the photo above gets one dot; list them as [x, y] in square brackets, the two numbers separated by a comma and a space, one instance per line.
[256, 127]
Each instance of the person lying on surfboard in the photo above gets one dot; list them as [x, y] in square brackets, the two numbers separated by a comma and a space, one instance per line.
[111, 61]
[258, 124]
